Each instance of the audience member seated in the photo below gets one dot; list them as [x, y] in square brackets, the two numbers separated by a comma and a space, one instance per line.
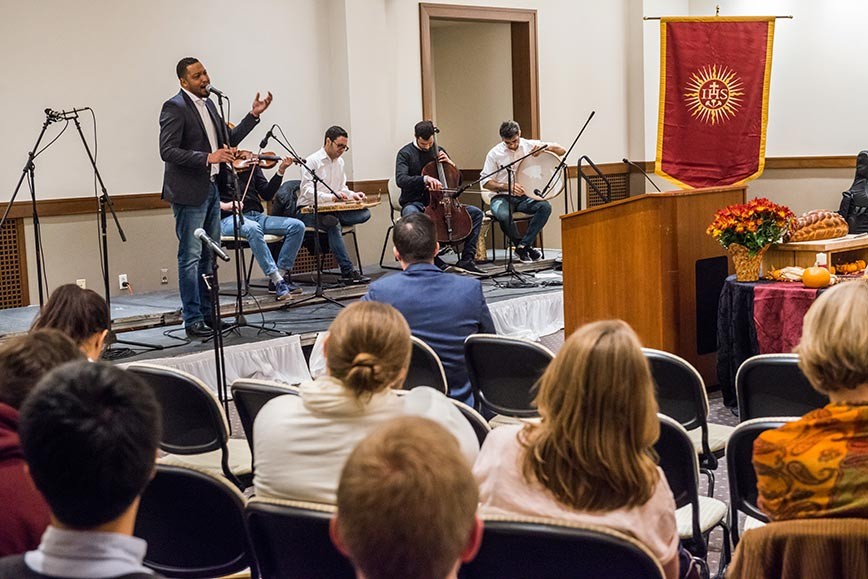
[81, 314]
[441, 308]
[301, 442]
[817, 466]
[590, 458]
[407, 504]
[23, 361]
[89, 434]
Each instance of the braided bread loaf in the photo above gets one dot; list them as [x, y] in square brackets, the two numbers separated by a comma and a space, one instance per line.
[817, 224]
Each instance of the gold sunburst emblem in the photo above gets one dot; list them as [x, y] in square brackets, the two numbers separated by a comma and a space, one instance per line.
[714, 94]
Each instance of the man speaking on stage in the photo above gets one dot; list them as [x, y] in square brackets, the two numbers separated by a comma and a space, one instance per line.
[196, 154]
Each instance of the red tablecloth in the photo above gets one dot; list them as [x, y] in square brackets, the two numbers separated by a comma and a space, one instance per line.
[778, 310]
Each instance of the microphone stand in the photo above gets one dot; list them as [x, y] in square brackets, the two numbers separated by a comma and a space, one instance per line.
[212, 283]
[317, 250]
[241, 287]
[105, 202]
[641, 170]
[562, 166]
[517, 279]
[29, 172]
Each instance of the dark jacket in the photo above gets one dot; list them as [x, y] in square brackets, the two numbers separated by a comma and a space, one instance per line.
[184, 147]
[442, 309]
[854, 205]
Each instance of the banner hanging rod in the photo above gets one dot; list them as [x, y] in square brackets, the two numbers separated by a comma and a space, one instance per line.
[661, 17]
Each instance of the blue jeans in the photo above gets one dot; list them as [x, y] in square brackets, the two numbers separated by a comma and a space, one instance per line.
[540, 211]
[256, 225]
[336, 239]
[193, 259]
[468, 253]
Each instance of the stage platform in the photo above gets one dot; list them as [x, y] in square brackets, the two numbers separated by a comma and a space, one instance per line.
[154, 319]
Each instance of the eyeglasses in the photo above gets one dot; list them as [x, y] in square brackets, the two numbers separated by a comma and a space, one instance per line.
[340, 146]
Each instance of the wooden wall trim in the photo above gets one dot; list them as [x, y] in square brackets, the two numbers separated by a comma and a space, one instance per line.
[84, 205]
[377, 187]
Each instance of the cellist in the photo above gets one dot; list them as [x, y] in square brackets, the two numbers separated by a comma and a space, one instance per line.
[415, 187]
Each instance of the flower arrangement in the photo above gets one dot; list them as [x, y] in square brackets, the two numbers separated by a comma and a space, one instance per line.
[753, 225]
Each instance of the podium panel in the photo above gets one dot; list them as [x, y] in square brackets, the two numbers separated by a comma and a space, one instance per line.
[648, 261]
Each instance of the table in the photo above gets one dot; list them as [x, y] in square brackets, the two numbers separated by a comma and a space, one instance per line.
[753, 318]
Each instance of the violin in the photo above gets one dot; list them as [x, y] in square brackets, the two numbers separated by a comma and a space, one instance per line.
[244, 160]
[451, 219]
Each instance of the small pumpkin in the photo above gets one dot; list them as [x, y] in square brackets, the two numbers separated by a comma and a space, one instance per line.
[816, 277]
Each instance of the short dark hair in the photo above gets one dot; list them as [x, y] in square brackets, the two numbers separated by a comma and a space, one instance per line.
[78, 313]
[509, 129]
[406, 501]
[89, 432]
[424, 129]
[415, 238]
[333, 133]
[24, 360]
[181, 68]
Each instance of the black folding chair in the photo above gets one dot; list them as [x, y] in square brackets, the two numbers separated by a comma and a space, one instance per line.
[194, 525]
[774, 385]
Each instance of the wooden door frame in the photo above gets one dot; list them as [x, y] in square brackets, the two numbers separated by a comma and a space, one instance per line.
[525, 62]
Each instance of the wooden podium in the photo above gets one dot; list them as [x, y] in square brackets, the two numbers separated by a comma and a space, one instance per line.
[648, 261]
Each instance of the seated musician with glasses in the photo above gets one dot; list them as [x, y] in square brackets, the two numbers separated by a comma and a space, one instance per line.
[329, 167]
[411, 159]
[512, 147]
[255, 224]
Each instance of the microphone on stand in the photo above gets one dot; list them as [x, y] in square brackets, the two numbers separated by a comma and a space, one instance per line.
[641, 170]
[213, 245]
[267, 137]
[211, 88]
[54, 116]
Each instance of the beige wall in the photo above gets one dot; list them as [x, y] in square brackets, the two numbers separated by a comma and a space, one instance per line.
[473, 87]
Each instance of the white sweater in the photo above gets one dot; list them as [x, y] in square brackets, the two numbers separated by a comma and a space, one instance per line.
[302, 442]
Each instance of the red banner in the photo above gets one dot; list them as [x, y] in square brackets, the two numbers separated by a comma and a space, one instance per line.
[714, 96]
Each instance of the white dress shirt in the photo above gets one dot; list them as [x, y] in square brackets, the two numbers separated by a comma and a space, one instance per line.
[210, 129]
[68, 553]
[331, 173]
[500, 155]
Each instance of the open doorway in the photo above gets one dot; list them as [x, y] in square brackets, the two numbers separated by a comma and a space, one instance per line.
[479, 67]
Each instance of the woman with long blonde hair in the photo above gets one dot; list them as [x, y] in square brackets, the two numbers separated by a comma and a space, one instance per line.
[302, 442]
[590, 458]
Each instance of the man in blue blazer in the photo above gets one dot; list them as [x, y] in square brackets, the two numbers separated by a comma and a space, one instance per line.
[193, 146]
[441, 308]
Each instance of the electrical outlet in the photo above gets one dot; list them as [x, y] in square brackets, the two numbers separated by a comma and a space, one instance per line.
[82, 283]
[164, 275]
[122, 281]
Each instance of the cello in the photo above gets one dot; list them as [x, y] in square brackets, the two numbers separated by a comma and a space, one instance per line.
[450, 217]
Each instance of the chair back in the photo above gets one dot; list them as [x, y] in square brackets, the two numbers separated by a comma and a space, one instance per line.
[426, 369]
[479, 424]
[194, 525]
[250, 396]
[739, 466]
[504, 371]
[521, 547]
[679, 463]
[291, 539]
[193, 421]
[679, 387]
[771, 385]
[394, 199]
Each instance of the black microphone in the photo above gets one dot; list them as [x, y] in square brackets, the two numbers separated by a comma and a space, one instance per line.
[632, 164]
[268, 136]
[63, 115]
[211, 88]
[214, 246]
